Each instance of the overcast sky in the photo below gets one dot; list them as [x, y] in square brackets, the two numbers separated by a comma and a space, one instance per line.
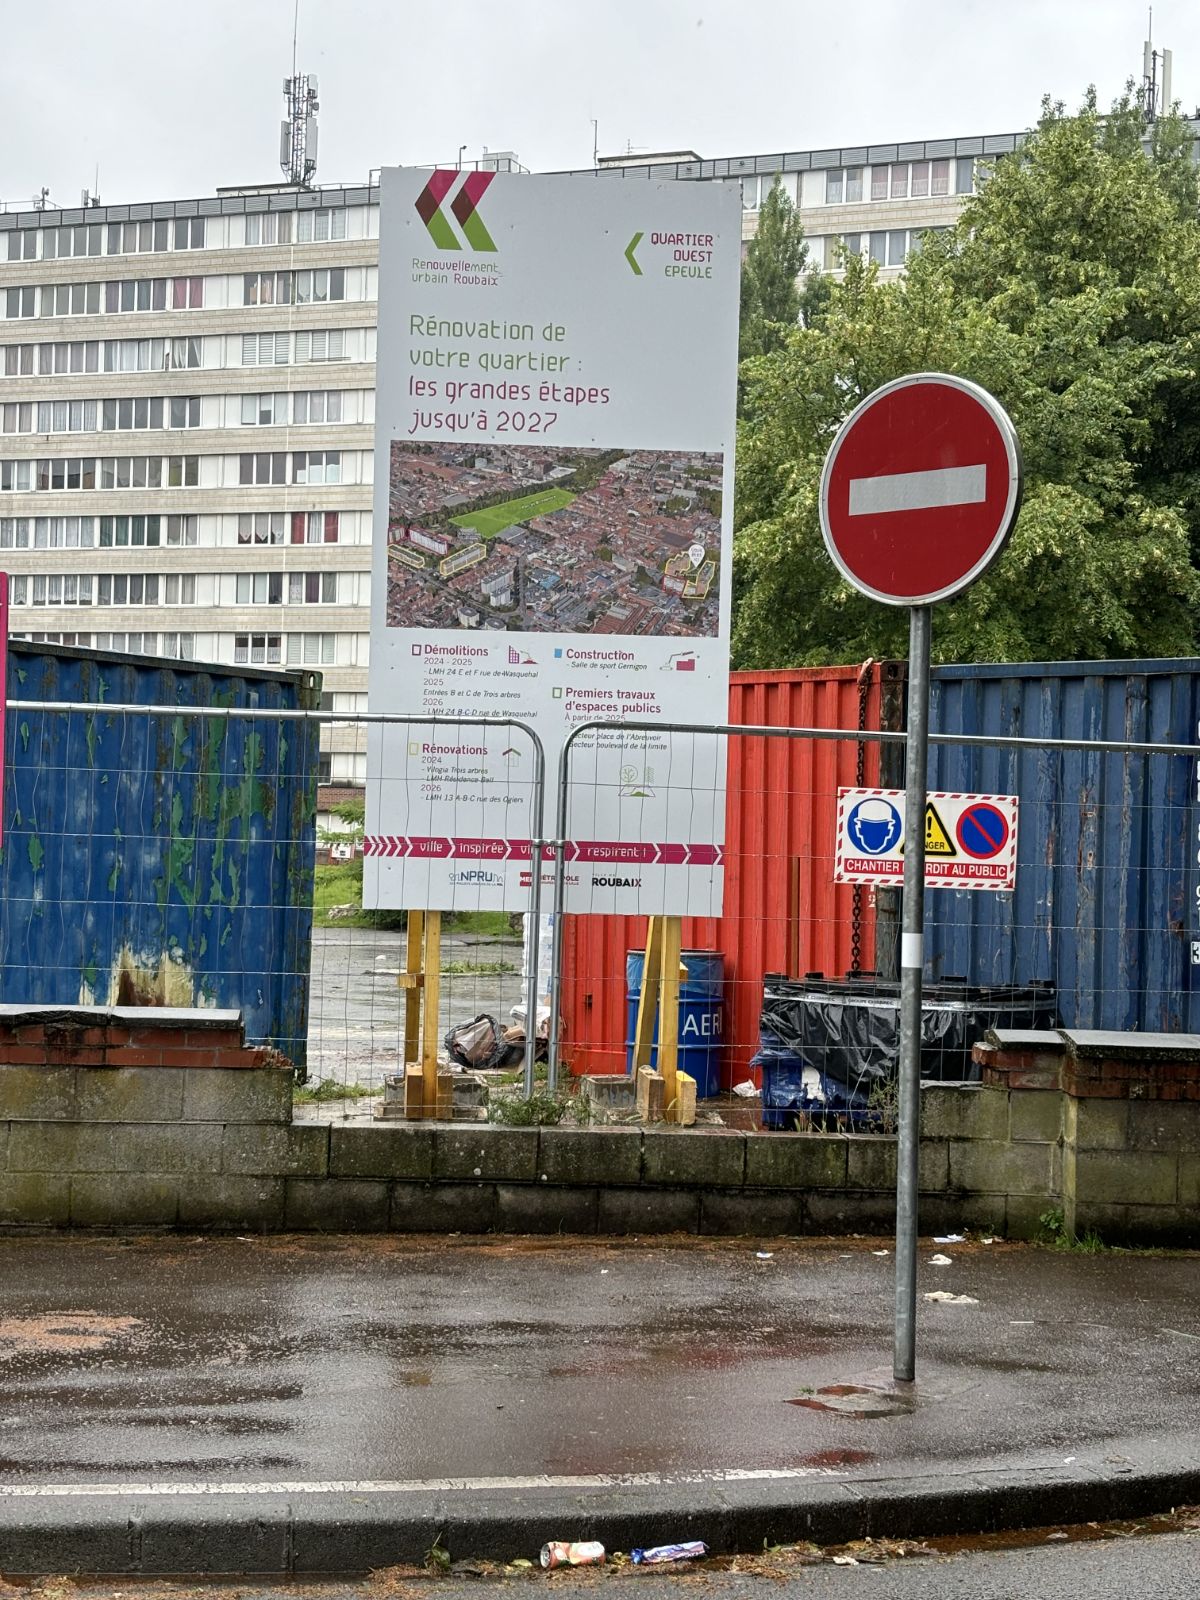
[171, 99]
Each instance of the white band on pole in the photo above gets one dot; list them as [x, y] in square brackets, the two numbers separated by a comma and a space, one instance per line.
[912, 950]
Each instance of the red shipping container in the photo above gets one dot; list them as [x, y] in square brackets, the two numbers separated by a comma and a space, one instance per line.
[783, 911]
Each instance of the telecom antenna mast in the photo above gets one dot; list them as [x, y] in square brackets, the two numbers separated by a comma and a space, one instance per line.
[1156, 82]
[298, 130]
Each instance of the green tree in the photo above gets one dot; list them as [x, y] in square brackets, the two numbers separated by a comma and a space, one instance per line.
[775, 257]
[1071, 289]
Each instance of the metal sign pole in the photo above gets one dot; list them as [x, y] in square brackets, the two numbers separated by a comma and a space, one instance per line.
[912, 961]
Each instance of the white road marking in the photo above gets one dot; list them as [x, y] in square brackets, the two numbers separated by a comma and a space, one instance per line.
[59, 1491]
[918, 491]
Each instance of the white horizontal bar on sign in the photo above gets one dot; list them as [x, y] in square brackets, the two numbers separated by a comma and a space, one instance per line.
[918, 491]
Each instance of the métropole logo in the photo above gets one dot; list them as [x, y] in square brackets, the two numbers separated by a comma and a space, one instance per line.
[432, 197]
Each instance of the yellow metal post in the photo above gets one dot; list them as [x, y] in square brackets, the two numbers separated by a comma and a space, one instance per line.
[429, 1030]
[668, 1015]
[412, 981]
[643, 1033]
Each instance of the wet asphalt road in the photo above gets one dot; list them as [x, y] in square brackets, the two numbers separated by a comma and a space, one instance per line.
[318, 1358]
[356, 1018]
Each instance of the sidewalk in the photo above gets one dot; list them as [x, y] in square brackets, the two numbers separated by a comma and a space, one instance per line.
[182, 1404]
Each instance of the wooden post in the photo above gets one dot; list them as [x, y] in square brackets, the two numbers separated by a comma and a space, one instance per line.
[429, 1030]
[668, 1015]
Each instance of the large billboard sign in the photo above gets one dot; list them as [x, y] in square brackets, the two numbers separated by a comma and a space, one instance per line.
[554, 432]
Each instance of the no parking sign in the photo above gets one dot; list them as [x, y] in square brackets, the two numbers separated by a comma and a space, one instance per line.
[970, 839]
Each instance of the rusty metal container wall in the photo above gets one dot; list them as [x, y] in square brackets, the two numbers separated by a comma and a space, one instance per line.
[1105, 904]
[783, 912]
[158, 858]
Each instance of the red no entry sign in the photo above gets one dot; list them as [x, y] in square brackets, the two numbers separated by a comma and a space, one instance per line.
[920, 489]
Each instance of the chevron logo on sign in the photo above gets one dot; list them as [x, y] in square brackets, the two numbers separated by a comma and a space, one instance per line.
[430, 205]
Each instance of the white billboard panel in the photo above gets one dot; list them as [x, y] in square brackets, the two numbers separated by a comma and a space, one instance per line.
[553, 499]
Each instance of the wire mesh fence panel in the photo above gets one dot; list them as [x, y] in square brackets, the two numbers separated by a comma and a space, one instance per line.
[1068, 871]
[160, 857]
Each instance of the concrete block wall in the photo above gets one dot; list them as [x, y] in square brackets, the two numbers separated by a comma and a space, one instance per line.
[196, 1132]
[1132, 1170]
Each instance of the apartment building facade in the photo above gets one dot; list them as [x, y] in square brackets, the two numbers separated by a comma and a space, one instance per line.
[187, 401]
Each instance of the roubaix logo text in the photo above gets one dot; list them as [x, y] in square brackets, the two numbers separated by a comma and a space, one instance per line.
[616, 883]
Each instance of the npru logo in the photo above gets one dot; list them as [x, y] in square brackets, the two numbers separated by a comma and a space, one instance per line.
[464, 208]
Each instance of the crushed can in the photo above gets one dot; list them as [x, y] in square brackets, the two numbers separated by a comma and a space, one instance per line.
[584, 1553]
[669, 1552]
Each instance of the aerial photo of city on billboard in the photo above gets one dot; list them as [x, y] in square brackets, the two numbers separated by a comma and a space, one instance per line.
[529, 537]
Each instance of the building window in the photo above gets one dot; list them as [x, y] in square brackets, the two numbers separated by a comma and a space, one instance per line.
[120, 532]
[317, 405]
[314, 527]
[261, 527]
[22, 243]
[257, 649]
[265, 349]
[267, 289]
[127, 589]
[321, 345]
[843, 184]
[20, 302]
[150, 355]
[265, 467]
[839, 247]
[14, 533]
[17, 417]
[264, 410]
[190, 233]
[312, 588]
[271, 227]
[183, 530]
[940, 178]
[179, 589]
[260, 588]
[311, 649]
[317, 466]
[63, 533]
[319, 225]
[964, 175]
[318, 284]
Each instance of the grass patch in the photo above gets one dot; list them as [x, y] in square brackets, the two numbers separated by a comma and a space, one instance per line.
[488, 521]
[541, 1110]
[309, 1094]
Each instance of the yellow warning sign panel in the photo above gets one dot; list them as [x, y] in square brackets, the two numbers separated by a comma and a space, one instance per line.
[937, 840]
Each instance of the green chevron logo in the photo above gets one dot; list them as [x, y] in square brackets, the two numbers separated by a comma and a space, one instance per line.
[629, 255]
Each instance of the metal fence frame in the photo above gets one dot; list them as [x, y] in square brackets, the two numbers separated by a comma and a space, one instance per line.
[377, 718]
[749, 730]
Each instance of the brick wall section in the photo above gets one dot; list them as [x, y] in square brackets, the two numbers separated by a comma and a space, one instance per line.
[125, 1036]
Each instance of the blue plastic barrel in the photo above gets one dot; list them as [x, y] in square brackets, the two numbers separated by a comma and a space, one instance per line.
[701, 1016]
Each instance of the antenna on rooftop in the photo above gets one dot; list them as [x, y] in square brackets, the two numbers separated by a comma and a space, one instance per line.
[1155, 95]
[298, 130]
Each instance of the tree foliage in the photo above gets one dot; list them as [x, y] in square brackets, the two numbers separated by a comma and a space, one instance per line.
[1070, 288]
[775, 257]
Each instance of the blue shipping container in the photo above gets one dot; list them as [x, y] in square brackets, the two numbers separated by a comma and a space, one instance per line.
[1107, 898]
[159, 858]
